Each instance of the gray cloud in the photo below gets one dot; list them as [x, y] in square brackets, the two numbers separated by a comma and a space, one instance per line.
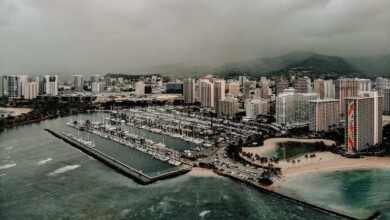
[97, 36]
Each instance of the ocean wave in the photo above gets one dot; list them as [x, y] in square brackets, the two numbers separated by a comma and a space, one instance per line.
[44, 161]
[4, 174]
[202, 214]
[8, 148]
[63, 169]
[7, 166]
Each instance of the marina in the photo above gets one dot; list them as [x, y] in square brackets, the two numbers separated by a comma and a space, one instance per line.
[120, 167]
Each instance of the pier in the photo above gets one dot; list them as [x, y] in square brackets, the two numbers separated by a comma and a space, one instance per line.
[118, 166]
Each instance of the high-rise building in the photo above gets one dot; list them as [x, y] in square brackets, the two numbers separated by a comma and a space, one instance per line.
[206, 93]
[281, 84]
[51, 85]
[386, 100]
[285, 108]
[381, 83]
[219, 93]
[31, 90]
[301, 85]
[4, 82]
[234, 89]
[95, 79]
[95, 88]
[301, 106]
[363, 121]
[324, 114]
[247, 89]
[139, 88]
[364, 84]
[78, 83]
[228, 107]
[254, 107]
[345, 88]
[242, 79]
[189, 90]
[174, 88]
[40, 80]
[264, 87]
[23, 82]
[14, 87]
[293, 108]
[325, 88]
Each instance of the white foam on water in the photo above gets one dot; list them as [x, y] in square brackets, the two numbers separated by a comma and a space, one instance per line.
[4, 174]
[202, 214]
[7, 166]
[8, 148]
[63, 169]
[44, 161]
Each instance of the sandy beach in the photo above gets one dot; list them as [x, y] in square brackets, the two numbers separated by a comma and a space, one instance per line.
[324, 161]
[271, 143]
[197, 171]
[327, 161]
[18, 111]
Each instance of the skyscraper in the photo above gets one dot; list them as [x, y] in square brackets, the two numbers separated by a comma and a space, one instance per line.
[23, 82]
[31, 90]
[301, 106]
[40, 80]
[364, 84]
[206, 94]
[95, 87]
[247, 89]
[219, 93]
[242, 79]
[301, 85]
[281, 84]
[228, 107]
[325, 88]
[234, 89]
[264, 85]
[363, 122]
[189, 90]
[78, 83]
[14, 87]
[254, 107]
[4, 82]
[51, 84]
[345, 88]
[293, 108]
[95, 79]
[386, 100]
[324, 114]
[139, 88]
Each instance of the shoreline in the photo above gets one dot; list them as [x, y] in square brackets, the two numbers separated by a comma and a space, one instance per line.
[199, 171]
[271, 143]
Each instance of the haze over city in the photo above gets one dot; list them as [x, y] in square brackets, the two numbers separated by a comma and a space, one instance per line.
[187, 109]
[98, 37]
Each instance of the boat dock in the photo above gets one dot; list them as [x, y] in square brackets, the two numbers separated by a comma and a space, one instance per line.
[118, 166]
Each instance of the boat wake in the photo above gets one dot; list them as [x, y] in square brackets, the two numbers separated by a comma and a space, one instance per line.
[202, 214]
[63, 169]
[7, 166]
[44, 161]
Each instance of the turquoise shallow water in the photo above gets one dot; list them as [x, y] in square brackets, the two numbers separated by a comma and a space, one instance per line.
[42, 177]
[353, 192]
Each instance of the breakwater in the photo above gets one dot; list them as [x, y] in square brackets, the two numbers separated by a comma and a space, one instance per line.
[118, 166]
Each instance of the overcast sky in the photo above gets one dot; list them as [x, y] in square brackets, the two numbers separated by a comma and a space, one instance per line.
[100, 36]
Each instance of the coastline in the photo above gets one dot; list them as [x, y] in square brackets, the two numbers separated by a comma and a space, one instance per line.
[271, 143]
[17, 111]
[198, 171]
